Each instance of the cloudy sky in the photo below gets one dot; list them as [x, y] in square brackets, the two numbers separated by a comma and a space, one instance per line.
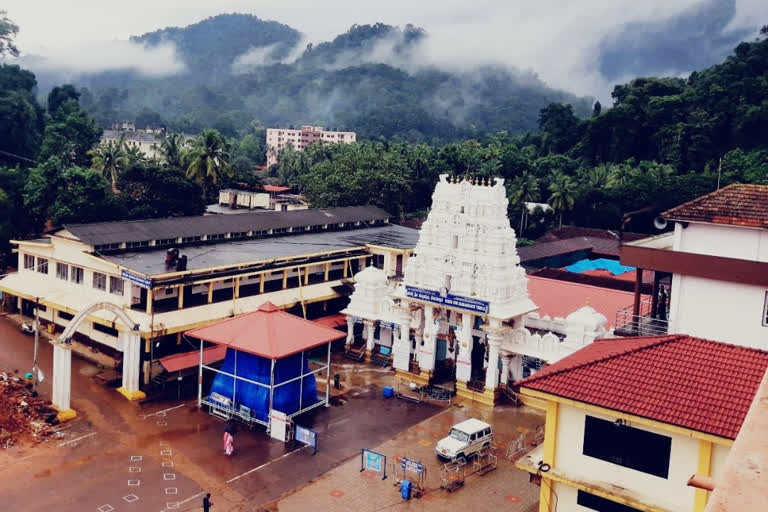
[555, 38]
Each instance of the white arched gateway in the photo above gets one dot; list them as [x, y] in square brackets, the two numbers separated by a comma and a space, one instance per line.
[129, 341]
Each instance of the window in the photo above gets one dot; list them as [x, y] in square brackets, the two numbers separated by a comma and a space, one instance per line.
[42, 265]
[765, 310]
[217, 236]
[132, 245]
[165, 241]
[99, 281]
[107, 247]
[29, 262]
[455, 242]
[76, 275]
[190, 239]
[62, 271]
[115, 285]
[626, 446]
[106, 330]
[601, 504]
[64, 315]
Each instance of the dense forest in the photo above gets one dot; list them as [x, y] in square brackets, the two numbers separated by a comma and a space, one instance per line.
[241, 70]
[663, 141]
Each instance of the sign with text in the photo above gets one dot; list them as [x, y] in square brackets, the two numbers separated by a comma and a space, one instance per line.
[373, 461]
[306, 436]
[450, 300]
[411, 465]
[141, 281]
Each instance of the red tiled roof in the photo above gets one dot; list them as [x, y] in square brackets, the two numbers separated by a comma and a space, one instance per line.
[737, 204]
[332, 321]
[267, 332]
[690, 382]
[275, 188]
[561, 298]
[177, 362]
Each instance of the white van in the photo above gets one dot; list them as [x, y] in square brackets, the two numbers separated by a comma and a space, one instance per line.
[465, 439]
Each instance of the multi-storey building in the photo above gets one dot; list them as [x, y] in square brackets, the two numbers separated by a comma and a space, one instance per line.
[717, 257]
[280, 138]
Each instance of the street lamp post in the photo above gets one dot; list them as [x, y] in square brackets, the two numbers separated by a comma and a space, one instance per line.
[35, 370]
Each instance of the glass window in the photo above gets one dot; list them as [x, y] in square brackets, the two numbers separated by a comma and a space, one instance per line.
[765, 310]
[458, 434]
[76, 275]
[42, 265]
[99, 281]
[627, 446]
[29, 262]
[62, 271]
[115, 285]
[601, 504]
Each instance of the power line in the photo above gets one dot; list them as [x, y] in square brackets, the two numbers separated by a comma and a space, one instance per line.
[18, 156]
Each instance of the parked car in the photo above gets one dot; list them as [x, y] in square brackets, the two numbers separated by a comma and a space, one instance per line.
[465, 439]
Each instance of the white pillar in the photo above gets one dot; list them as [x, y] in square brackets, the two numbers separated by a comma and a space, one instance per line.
[350, 332]
[370, 326]
[427, 349]
[492, 372]
[401, 345]
[131, 343]
[62, 375]
[505, 362]
[464, 357]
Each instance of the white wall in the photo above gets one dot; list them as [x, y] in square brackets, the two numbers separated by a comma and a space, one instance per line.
[727, 312]
[672, 492]
[726, 241]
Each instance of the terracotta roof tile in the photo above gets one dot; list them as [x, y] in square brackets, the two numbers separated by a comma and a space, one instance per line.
[737, 204]
[690, 382]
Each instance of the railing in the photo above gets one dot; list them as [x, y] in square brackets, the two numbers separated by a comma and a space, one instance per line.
[628, 324]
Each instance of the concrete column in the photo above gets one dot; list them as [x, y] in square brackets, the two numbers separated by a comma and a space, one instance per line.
[492, 372]
[401, 346]
[370, 327]
[131, 343]
[210, 292]
[181, 296]
[149, 301]
[62, 378]
[506, 360]
[464, 357]
[350, 332]
[285, 278]
[427, 349]
[237, 288]
[261, 282]
[326, 270]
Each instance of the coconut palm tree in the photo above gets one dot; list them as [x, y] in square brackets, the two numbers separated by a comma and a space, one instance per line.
[524, 188]
[172, 149]
[208, 158]
[563, 190]
[110, 159]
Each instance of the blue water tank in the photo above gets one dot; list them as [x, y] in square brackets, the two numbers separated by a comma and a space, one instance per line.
[389, 392]
[405, 489]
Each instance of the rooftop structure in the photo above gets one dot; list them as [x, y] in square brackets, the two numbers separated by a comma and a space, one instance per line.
[736, 205]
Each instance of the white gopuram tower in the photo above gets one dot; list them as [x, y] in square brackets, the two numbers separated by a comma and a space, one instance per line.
[465, 267]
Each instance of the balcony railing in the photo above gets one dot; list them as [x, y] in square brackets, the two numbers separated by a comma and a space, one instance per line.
[628, 324]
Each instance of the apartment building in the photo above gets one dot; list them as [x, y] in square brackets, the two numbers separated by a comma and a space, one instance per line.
[279, 138]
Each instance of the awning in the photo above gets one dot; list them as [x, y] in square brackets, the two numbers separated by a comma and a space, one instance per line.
[185, 360]
[332, 321]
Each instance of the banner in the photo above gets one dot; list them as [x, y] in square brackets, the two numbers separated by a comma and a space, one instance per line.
[307, 436]
[447, 299]
[141, 281]
[373, 461]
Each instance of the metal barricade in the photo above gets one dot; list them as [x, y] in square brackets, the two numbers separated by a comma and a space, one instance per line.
[413, 470]
[485, 460]
[453, 474]
[516, 447]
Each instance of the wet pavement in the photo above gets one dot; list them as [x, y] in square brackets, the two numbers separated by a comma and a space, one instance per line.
[119, 455]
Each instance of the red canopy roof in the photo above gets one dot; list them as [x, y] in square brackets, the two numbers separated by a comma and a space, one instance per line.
[267, 332]
[337, 320]
[678, 379]
[186, 360]
[276, 188]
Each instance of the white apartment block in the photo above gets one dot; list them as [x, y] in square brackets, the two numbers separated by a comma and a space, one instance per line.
[279, 138]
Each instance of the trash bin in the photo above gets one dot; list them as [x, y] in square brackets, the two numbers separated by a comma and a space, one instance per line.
[337, 381]
[388, 391]
[51, 328]
[405, 489]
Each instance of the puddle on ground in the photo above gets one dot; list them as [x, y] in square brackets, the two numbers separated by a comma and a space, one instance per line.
[89, 370]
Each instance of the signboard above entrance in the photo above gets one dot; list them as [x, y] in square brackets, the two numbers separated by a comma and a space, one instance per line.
[142, 281]
[447, 299]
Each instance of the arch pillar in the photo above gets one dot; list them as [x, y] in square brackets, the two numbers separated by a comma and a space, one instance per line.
[62, 378]
[131, 343]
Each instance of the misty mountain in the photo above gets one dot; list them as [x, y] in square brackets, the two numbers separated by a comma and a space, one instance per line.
[693, 39]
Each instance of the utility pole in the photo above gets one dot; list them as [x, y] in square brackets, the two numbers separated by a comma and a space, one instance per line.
[35, 369]
[719, 169]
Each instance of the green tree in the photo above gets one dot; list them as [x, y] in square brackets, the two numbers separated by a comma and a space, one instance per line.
[22, 120]
[8, 31]
[563, 193]
[71, 132]
[524, 189]
[110, 159]
[208, 159]
[149, 190]
[172, 149]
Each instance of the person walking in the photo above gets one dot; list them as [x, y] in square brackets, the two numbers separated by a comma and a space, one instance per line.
[229, 442]
[207, 503]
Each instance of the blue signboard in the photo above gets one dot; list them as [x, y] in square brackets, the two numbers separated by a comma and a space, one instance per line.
[142, 281]
[412, 465]
[373, 461]
[479, 306]
[388, 325]
[307, 436]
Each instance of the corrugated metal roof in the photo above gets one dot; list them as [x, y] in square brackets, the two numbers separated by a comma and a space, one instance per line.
[548, 249]
[102, 233]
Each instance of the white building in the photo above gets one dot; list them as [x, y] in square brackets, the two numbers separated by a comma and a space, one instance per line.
[629, 421]
[718, 259]
[280, 138]
[147, 143]
[457, 316]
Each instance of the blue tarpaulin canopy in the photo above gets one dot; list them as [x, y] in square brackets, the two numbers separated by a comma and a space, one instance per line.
[612, 266]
